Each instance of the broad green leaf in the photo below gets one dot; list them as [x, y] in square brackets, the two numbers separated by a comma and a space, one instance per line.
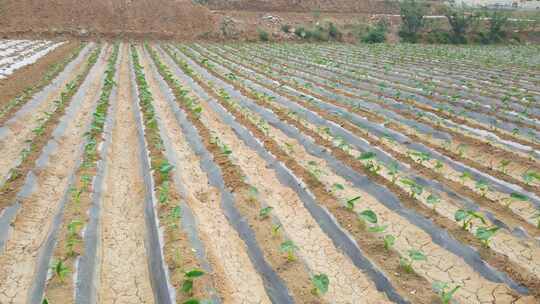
[368, 216]
[321, 282]
[460, 215]
[377, 228]
[287, 246]
[195, 273]
[485, 234]
[265, 212]
[187, 286]
[417, 255]
[366, 156]
[519, 196]
[433, 199]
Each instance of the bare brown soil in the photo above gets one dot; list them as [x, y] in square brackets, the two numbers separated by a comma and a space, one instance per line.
[134, 18]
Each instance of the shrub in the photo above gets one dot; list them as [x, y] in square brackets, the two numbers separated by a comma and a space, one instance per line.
[333, 32]
[438, 36]
[375, 34]
[412, 19]
[460, 21]
[286, 28]
[497, 21]
[302, 33]
[263, 35]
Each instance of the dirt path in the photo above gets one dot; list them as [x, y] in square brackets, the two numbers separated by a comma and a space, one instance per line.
[33, 221]
[18, 129]
[232, 268]
[123, 269]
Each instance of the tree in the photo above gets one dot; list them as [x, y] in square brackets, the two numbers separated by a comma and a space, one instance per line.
[412, 19]
[460, 21]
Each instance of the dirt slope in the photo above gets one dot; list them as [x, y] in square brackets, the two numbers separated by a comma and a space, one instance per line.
[164, 18]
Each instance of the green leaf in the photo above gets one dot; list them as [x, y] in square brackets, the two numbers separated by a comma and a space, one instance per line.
[337, 186]
[433, 199]
[377, 228]
[350, 203]
[368, 216]
[389, 241]
[366, 156]
[519, 196]
[187, 286]
[460, 215]
[288, 246]
[195, 273]
[265, 212]
[485, 234]
[439, 286]
[417, 255]
[165, 168]
[447, 297]
[321, 282]
[192, 301]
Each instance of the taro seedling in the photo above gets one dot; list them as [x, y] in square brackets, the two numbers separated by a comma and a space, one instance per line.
[414, 187]
[465, 176]
[516, 197]
[76, 195]
[85, 179]
[389, 241]
[482, 186]
[369, 216]
[289, 248]
[72, 236]
[421, 156]
[189, 277]
[264, 213]
[461, 149]
[438, 165]
[174, 215]
[433, 200]
[314, 169]
[445, 292]
[349, 204]
[369, 158]
[163, 191]
[337, 187]
[484, 234]
[407, 262]
[467, 217]
[60, 270]
[164, 170]
[537, 217]
[530, 176]
[320, 284]
[503, 165]
[275, 230]
[393, 171]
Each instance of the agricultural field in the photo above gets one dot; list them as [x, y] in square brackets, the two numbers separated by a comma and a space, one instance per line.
[15, 54]
[271, 173]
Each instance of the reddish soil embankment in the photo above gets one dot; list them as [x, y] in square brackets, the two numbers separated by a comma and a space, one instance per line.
[135, 18]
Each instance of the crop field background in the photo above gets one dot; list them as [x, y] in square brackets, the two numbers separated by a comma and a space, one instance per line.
[268, 173]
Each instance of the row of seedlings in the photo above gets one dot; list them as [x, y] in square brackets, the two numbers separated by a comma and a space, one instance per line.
[184, 270]
[52, 72]
[70, 242]
[42, 133]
